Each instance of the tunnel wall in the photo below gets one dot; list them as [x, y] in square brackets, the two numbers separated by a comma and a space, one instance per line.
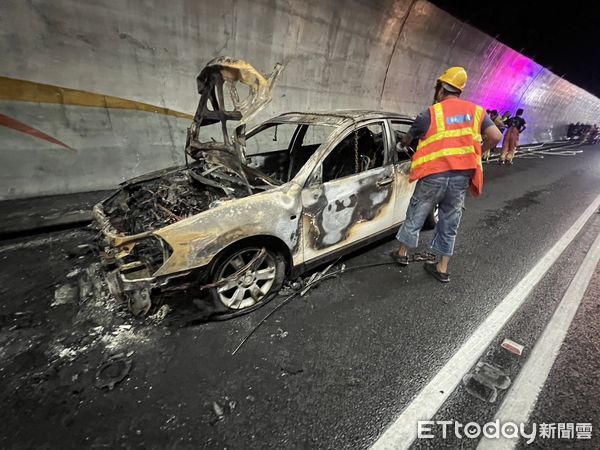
[93, 92]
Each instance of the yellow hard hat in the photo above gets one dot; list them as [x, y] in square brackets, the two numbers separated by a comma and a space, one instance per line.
[455, 77]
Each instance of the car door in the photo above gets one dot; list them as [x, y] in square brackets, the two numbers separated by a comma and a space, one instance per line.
[351, 194]
[404, 189]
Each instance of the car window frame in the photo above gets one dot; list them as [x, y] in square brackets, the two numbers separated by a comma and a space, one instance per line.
[317, 170]
[271, 124]
[408, 122]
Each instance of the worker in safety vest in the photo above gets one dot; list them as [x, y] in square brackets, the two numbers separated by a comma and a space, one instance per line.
[452, 135]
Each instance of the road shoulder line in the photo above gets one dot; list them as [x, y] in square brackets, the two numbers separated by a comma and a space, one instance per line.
[403, 431]
[523, 395]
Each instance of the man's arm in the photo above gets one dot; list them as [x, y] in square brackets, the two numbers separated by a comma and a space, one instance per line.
[418, 128]
[407, 139]
[491, 136]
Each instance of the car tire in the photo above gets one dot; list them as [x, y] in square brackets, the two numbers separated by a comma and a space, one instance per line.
[432, 219]
[250, 290]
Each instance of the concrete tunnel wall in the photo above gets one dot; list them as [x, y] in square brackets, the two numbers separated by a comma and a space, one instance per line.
[93, 92]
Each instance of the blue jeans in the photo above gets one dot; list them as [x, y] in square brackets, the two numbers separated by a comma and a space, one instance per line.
[447, 190]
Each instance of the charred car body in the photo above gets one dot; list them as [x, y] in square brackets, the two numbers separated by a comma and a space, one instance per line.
[243, 213]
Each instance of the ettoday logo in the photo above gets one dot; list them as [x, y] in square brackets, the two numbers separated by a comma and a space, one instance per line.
[428, 429]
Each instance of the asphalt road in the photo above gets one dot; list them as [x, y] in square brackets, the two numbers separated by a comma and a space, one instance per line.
[330, 370]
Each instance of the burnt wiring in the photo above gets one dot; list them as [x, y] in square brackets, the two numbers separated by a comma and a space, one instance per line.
[307, 287]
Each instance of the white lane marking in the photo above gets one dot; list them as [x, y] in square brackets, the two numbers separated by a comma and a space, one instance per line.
[523, 395]
[403, 431]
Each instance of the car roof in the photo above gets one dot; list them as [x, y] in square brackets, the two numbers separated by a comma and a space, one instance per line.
[337, 117]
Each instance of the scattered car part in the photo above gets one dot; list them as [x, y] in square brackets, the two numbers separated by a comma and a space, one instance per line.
[160, 315]
[421, 256]
[494, 375]
[343, 269]
[218, 410]
[512, 346]
[113, 371]
[139, 301]
[478, 386]
[318, 276]
[485, 381]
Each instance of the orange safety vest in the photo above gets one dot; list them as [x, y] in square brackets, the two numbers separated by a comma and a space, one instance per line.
[452, 142]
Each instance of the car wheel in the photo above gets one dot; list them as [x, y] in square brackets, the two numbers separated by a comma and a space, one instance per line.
[432, 219]
[252, 288]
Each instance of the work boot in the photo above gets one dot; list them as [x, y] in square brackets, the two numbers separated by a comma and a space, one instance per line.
[501, 162]
[510, 163]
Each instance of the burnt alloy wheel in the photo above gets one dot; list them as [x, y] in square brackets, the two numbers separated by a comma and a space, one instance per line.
[250, 289]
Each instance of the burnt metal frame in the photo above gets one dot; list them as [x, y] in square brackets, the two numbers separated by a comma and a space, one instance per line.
[341, 134]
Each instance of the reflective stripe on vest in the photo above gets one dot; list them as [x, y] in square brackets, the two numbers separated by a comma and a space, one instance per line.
[457, 148]
[439, 118]
[441, 132]
[441, 153]
[477, 129]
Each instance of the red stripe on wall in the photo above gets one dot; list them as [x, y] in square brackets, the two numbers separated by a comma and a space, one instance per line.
[14, 124]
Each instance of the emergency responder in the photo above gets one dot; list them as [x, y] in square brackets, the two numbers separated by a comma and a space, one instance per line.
[446, 163]
[515, 125]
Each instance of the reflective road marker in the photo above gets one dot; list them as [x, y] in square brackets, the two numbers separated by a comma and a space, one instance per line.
[403, 431]
[522, 397]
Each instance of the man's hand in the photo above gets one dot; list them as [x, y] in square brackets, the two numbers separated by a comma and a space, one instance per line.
[409, 151]
[407, 139]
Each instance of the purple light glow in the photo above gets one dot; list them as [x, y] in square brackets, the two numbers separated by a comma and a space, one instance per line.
[503, 86]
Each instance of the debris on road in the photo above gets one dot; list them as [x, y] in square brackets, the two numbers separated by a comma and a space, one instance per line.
[74, 273]
[65, 294]
[81, 250]
[160, 315]
[493, 374]
[305, 286]
[218, 410]
[512, 347]
[316, 278]
[113, 371]
[280, 334]
[421, 256]
[291, 371]
[479, 387]
[485, 381]
[121, 338]
[19, 320]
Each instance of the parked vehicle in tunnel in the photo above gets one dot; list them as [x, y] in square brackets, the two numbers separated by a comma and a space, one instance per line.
[313, 186]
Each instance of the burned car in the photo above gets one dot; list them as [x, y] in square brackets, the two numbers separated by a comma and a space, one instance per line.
[263, 205]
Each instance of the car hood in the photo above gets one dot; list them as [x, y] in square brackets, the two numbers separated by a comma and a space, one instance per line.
[165, 197]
